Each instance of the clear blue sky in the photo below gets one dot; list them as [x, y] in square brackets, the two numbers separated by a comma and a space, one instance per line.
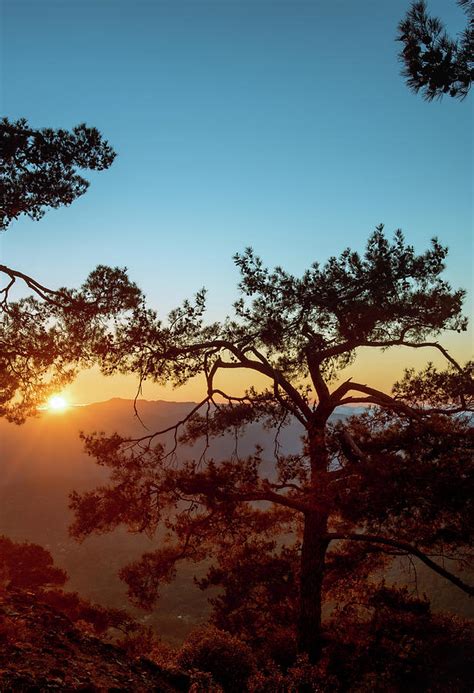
[281, 125]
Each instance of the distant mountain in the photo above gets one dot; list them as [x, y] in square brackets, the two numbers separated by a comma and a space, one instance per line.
[49, 446]
[43, 461]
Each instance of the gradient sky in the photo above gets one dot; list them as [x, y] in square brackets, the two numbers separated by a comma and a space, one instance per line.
[281, 125]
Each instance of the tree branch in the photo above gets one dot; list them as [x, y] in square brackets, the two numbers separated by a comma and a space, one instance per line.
[350, 345]
[202, 486]
[261, 366]
[320, 386]
[373, 397]
[407, 548]
[42, 291]
[174, 428]
[418, 345]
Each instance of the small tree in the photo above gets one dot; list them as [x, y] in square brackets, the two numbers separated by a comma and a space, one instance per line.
[298, 333]
[435, 64]
[225, 657]
[28, 566]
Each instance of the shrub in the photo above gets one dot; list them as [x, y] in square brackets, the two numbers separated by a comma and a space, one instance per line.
[225, 657]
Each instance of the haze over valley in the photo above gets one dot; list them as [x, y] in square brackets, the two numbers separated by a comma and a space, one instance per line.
[43, 461]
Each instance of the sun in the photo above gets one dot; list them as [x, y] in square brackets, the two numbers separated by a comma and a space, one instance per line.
[57, 403]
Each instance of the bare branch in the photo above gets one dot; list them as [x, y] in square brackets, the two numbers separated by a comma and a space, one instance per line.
[174, 428]
[48, 295]
[418, 345]
[350, 345]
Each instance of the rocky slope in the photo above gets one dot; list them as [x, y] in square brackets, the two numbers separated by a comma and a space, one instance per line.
[41, 649]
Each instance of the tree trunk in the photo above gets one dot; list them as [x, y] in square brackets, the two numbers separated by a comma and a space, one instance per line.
[315, 544]
[312, 572]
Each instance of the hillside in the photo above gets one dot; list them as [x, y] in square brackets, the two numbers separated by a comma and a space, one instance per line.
[41, 649]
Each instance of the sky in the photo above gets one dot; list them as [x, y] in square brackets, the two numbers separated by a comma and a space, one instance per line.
[281, 125]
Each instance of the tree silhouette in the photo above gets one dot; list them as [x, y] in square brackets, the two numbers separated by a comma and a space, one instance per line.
[387, 482]
[47, 339]
[38, 170]
[28, 566]
[38, 167]
[435, 64]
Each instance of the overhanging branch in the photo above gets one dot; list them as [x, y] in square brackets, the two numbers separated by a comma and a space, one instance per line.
[408, 549]
[47, 295]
